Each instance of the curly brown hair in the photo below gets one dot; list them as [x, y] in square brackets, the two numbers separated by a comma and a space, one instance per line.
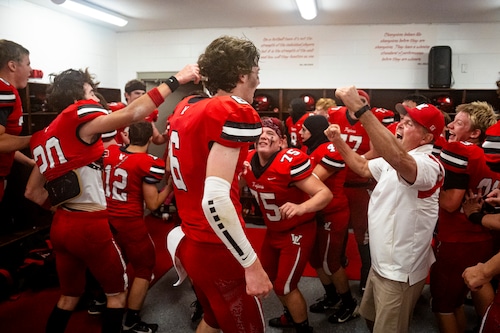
[67, 87]
[224, 60]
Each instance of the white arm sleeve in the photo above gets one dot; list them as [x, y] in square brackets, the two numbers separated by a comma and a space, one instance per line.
[222, 216]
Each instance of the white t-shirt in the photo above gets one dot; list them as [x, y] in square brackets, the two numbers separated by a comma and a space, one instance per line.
[402, 218]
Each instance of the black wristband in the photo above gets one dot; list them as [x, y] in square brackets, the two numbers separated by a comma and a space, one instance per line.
[172, 83]
[476, 218]
[361, 111]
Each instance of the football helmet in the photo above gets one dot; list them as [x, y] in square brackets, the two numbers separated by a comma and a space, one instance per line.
[262, 102]
[444, 103]
[310, 101]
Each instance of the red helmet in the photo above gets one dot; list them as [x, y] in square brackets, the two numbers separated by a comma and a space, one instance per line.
[310, 101]
[262, 102]
[444, 103]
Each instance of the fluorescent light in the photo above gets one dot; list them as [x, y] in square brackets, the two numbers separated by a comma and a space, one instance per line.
[95, 13]
[307, 9]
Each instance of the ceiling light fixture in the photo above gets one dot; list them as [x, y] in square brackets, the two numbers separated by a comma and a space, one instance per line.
[307, 9]
[91, 11]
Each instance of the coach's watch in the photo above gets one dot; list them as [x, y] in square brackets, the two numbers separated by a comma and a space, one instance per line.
[360, 112]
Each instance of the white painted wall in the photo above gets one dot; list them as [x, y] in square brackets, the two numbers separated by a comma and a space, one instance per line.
[340, 55]
[57, 42]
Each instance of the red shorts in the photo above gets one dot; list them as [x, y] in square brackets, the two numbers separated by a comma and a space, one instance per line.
[132, 236]
[328, 248]
[81, 240]
[448, 289]
[358, 198]
[284, 255]
[219, 283]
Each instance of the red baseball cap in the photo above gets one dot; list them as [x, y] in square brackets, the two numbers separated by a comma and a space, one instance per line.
[426, 115]
[365, 95]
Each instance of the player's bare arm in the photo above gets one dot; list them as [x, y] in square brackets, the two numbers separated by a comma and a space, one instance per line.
[320, 196]
[35, 190]
[221, 167]
[384, 142]
[10, 142]
[138, 109]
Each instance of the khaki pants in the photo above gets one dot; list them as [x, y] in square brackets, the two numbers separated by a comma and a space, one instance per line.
[389, 304]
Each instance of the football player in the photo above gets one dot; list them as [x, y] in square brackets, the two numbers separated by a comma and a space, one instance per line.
[288, 195]
[466, 168]
[209, 141]
[130, 177]
[329, 167]
[67, 173]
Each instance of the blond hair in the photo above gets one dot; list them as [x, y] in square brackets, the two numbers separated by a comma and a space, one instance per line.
[325, 103]
[481, 115]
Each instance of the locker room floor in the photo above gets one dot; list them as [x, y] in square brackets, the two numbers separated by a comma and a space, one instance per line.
[169, 307]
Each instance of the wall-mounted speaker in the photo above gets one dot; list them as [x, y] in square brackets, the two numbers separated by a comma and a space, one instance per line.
[440, 67]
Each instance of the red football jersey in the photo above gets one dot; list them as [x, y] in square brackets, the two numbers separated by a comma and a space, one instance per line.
[294, 131]
[271, 186]
[439, 143]
[194, 126]
[329, 158]
[57, 149]
[353, 134]
[466, 168]
[123, 176]
[11, 117]
[385, 116]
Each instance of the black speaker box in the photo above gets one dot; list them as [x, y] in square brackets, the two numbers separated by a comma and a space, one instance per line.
[440, 67]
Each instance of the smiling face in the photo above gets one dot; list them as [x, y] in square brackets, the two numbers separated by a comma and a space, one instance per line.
[268, 143]
[460, 128]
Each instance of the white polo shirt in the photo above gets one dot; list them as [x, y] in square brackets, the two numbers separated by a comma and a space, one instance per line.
[402, 217]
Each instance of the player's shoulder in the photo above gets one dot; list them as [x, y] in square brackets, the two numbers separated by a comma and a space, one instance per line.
[112, 149]
[232, 108]
[155, 160]
[463, 148]
[385, 116]
[6, 87]
[307, 115]
[294, 155]
[461, 154]
[337, 109]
